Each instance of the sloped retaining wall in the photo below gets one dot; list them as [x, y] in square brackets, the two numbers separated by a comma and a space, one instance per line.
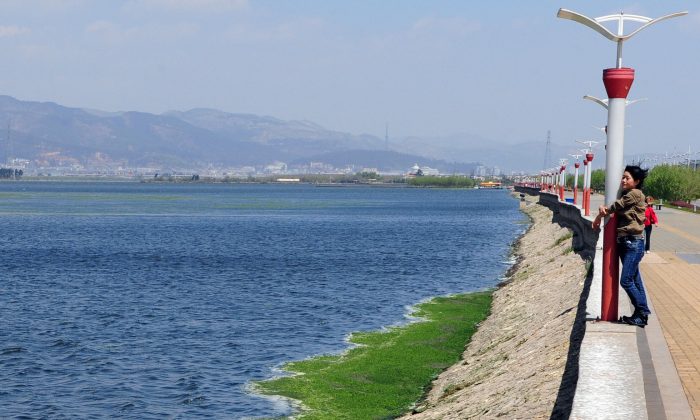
[569, 216]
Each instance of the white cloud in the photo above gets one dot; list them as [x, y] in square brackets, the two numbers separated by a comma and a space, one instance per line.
[186, 5]
[107, 31]
[454, 26]
[12, 31]
[116, 34]
[40, 7]
[284, 31]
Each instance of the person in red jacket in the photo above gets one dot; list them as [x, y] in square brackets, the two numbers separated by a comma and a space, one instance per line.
[650, 219]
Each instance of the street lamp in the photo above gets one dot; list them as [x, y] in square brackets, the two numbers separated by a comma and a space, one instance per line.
[553, 181]
[595, 24]
[562, 178]
[618, 82]
[541, 181]
[604, 102]
[587, 169]
[576, 156]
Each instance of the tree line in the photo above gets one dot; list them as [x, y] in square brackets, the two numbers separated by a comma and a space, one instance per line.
[7, 173]
[669, 182]
[453, 181]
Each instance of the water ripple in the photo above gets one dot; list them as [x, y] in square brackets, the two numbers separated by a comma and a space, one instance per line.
[157, 308]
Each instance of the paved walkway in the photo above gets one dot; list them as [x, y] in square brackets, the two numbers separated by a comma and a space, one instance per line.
[671, 273]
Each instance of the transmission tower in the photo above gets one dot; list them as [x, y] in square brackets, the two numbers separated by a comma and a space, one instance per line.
[548, 151]
[386, 137]
[8, 145]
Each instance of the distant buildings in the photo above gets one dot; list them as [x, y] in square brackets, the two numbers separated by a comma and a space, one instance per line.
[422, 171]
[56, 163]
[484, 171]
[276, 168]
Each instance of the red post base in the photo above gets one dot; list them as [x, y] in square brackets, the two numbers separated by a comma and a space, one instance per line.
[611, 272]
[575, 196]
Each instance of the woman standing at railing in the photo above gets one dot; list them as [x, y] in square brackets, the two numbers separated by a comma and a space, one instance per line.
[630, 210]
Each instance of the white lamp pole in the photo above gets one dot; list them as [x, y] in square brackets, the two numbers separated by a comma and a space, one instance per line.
[576, 166]
[614, 154]
[562, 178]
[553, 180]
[588, 168]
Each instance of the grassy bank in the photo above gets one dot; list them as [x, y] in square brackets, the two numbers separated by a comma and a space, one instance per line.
[389, 370]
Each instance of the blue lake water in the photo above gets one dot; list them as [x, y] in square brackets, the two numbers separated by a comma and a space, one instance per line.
[166, 300]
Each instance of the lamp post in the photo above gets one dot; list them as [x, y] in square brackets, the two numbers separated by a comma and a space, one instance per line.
[562, 178]
[541, 181]
[588, 168]
[576, 166]
[552, 180]
[589, 160]
[584, 203]
[618, 81]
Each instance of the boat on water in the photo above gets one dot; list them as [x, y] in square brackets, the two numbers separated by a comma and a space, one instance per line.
[490, 185]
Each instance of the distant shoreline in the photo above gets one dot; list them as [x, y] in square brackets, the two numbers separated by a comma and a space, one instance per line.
[136, 180]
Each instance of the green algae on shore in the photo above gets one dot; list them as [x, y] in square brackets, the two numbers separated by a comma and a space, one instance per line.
[388, 371]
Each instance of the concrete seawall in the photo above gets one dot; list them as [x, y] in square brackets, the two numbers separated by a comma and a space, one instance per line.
[609, 373]
[569, 216]
[622, 371]
[543, 353]
[522, 361]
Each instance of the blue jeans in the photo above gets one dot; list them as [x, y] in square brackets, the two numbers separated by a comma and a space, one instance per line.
[631, 251]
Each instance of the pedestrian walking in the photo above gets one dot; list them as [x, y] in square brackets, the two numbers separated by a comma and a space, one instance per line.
[650, 220]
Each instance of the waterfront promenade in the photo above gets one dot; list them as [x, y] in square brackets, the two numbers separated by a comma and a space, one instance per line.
[669, 348]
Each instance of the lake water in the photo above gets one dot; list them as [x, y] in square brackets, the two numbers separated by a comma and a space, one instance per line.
[166, 300]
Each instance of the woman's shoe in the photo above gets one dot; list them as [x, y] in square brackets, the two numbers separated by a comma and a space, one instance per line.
[637, 320]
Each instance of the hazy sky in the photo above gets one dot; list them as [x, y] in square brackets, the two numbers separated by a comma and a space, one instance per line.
[506, 71]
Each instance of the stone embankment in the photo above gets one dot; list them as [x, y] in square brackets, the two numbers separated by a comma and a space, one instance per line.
[522, 362]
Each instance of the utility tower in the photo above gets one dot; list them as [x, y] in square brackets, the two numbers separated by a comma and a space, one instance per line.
[386, 138]
[8, 146]
[548, 151]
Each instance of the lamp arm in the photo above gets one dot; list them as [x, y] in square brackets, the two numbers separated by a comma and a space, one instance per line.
[601, 102]
[651, 22]
[585, 20]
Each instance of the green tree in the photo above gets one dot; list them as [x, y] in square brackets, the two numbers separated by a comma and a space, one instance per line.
[598, 180]
[570, 180]
[368, 175]
[453, 181]
[673, 182]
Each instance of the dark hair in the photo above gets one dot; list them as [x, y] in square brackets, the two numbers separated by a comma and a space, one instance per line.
[638, 174]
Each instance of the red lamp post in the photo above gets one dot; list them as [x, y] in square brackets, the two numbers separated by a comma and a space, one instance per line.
[618, 82]
[589, 161]
[576, 166]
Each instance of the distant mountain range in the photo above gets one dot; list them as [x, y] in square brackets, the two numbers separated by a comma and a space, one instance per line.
[201, 138]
